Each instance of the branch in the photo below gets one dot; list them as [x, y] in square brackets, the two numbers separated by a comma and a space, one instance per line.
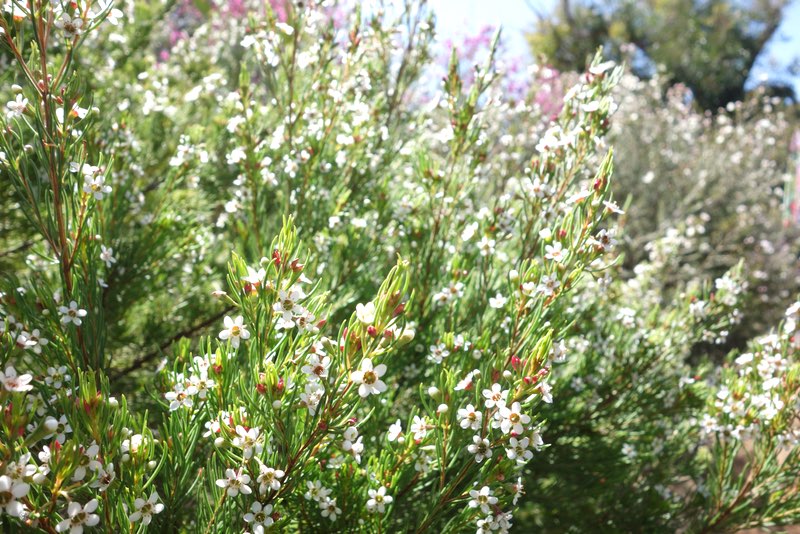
[140, 362]
[24, 246]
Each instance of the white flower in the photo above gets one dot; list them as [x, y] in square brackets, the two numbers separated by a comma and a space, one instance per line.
[255, 278]
[78, 517]
[547, 392]
[480, 448]
[10, 491]
[497, 301]
[88, 460]
[518, 489]
[12, 382]
[316, 491]
[378, 500]
[73, 314]
[613, 207]
[113, 15]
[181, 396]
[133, 445]
[495, 397]
[369, 378]
[259, 516]
[287, 306]
[548, 285]
[71, 26]
[269, 478]
[248, 441]
[438, 353]
[419, 427]
[466, 382]
[107, 255]
[16, 107]
[518, 450]
[486, 246]
[23, 341]
[21, 469]
[470, 417]
[629, 452]
[234, 330]
[512, 420]
[146, 509]
[285, 28]
[317, 366]
[329, 509]
[394, 432]
[555, 252]
[600, 68]
[483, 499]
[202, 384]
[235, 482]
[366, 313]
[35, 342]
[352, 443]
[62, 429]
[95, 185]
[312, 396]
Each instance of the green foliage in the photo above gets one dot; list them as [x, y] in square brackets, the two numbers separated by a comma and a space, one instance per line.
[711, 47]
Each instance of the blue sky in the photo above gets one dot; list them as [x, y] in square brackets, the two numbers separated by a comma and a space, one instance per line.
[456, 18]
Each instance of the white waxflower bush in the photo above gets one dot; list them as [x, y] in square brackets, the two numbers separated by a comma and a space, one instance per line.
[256, 277]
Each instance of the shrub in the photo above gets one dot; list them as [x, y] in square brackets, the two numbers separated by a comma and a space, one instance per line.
[370, 311]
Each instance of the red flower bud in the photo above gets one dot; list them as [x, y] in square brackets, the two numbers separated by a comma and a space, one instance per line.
[276, 257]
[372, 331]
[399, 309]
[261, 388]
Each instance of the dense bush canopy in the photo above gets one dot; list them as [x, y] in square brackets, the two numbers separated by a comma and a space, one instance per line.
[262, 271]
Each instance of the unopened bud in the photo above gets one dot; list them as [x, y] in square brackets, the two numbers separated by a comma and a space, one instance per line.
[406, 336]
[51, 424]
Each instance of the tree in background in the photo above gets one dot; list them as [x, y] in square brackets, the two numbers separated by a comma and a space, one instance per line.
[710, 46]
